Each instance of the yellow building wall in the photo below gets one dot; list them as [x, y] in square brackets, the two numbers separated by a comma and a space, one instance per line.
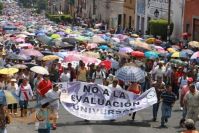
[129, 10]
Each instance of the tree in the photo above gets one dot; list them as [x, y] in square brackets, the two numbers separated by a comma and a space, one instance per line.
[159, 28]
[41, 5]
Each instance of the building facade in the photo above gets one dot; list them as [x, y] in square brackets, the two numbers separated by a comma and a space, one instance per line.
[191, 18]
[57, 6]
[158, 9]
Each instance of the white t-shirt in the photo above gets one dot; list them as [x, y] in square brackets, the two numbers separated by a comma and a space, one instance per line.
[65, 77]
[117, 87]
[53, 95]
[98, 77]
[11, 88]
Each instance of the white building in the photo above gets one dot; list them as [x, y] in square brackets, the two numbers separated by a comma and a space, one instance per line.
[158, 9]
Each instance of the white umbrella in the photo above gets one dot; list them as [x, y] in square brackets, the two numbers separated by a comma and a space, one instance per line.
[39, 70]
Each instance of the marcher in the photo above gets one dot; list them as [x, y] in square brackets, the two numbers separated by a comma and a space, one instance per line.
[191, 102]
[98, 76]
[25, 94]
[44, 86]
[65, 76]
[168, 99]
[190, 126]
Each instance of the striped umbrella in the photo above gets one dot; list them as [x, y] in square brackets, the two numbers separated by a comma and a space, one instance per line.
[131, 74]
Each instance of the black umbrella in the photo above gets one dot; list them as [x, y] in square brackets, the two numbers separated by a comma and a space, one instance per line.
[70, 40]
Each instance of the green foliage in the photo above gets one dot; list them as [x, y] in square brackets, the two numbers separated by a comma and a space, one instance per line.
[59, 18]
[159, 28]
[1, 8]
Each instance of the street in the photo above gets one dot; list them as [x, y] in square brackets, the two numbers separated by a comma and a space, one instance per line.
[142, 124]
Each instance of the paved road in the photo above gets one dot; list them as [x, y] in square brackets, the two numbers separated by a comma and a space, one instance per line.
[143, 124]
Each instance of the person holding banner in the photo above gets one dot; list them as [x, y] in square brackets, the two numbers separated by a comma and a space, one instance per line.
[136, 89]
[98, 76]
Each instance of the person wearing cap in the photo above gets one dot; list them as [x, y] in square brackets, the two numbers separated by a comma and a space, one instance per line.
[191, 102]
[12, 86]
[190, 126]
[25, 94]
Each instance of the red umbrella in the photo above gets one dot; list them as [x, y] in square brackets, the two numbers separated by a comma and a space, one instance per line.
[107, 64]
[137, 54]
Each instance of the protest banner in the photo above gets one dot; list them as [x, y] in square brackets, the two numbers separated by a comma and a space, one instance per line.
[97, 102]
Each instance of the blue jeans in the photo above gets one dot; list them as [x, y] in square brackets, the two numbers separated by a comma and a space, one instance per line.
[155, 109]
[44, 130]
[166, 112]
[23, 104]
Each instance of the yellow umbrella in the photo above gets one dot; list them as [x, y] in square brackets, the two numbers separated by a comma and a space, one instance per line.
[55, 36]
[150, 40]
[50, 58]
[10, 98]
[176, 55]
[171, 50]
[8, 71]
[135, 35]
[68, 31]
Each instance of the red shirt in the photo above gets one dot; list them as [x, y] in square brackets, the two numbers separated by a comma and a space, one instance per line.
[44, 86]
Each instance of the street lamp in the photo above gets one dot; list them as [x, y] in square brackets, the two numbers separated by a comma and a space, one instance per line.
[169, 21]
[156, 13]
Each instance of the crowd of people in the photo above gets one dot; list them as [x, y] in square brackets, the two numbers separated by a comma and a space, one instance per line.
[173, 79]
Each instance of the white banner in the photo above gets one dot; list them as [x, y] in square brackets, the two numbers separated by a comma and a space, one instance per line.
[97, 102]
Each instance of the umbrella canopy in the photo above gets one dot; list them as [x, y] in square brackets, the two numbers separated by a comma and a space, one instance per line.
[104, 47]
[140, 45]
[20, 66]
[50, 57]
[178, 62]
[71, 58]
[20, 40]
[91, 54]
[194, 44]
[188, 51]
[195, 55]
[137, 54]
[31, 52]
[39, 70]
[125, 50]
[98, 39]
[131, 74]
[26, 45]
[10, 97]
[179, 55]
[91, 45]
[70, 40]
[107, 64]
[8, 71]
[13, 56]
[151, 55]
[150, 40]
[171, 50]
[55, 36]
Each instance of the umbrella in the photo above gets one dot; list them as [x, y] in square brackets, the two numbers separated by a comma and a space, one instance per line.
[91, 54]
[70, 40]
[20, 66]
[140, 44]
[39, 70]
[91, 45]
[98, 39]
[20, 40]
[195, 55]
[107, 64]
[31, 52]
[179, 55]
[10, 97]
[188, 51]
[104, 47]
[114, 63]
[125, 50]
[194, 44]
[13, 56]
[131, 74]
[50, 58]
[150, 40]
[8, 71]
[55, 36]
[29, 65]
[71, 58]
[61, 33]
[137, 54]
[151, 55]
[28, 45]
[171, 50]
[21, 36]
[178, 62]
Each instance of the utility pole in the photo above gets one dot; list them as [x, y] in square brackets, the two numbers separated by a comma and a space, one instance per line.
[169, 21]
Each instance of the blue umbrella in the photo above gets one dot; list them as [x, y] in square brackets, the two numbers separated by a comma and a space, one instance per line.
[151, 55]
[104, 47]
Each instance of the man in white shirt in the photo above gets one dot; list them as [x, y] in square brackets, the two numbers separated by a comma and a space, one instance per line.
[115, 85]
[98, 76]
[65, 76]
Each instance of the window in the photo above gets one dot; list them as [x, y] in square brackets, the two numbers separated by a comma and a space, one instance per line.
[130, 1]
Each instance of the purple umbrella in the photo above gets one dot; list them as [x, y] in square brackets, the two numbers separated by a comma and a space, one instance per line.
[125, 50]
[61, 33]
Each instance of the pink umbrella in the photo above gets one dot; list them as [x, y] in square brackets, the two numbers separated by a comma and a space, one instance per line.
[71, 58]
[195, 55]
[89, 60]
[20, 40]
[26, 45]
[31, 52]
[91, 45]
